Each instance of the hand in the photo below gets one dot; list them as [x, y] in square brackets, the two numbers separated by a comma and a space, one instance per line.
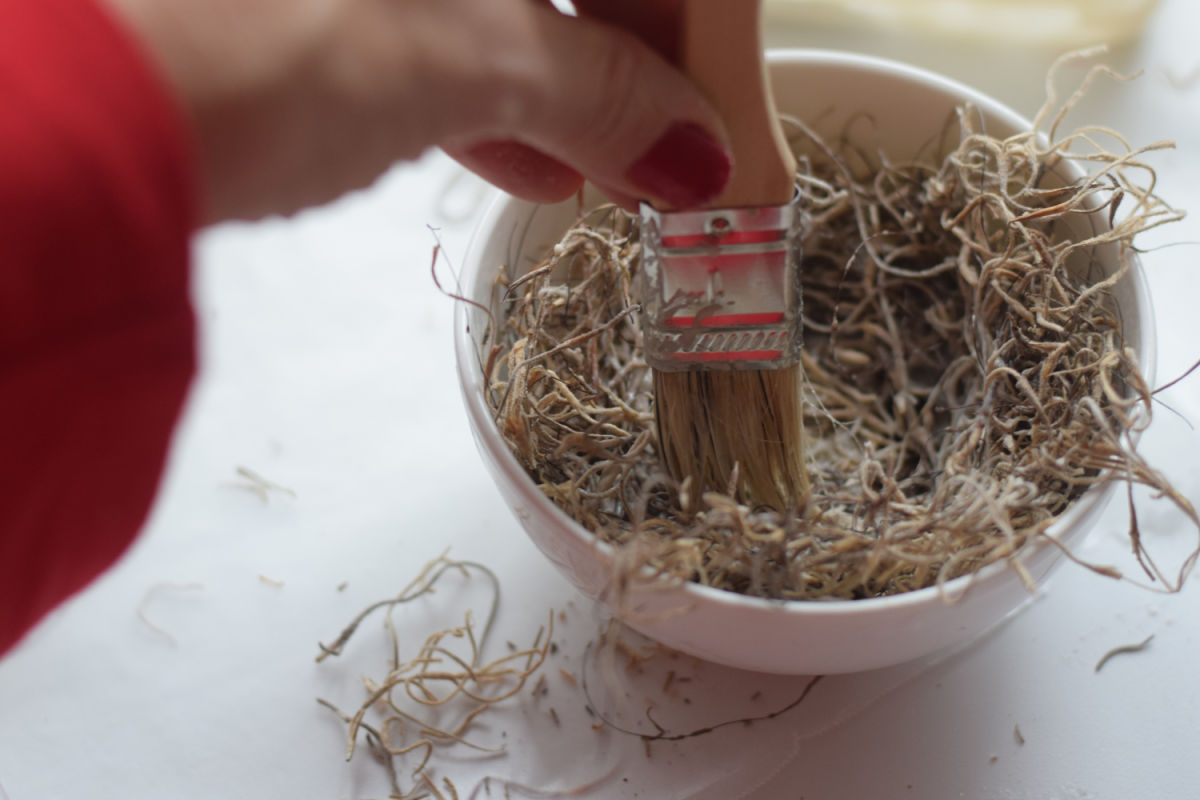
[294, 102]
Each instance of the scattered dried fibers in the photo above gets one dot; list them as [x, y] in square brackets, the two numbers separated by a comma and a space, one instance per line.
[660, 733]
[153, 592]
[430, 700]
[257, 485]
[966, 375]
[1122, 650]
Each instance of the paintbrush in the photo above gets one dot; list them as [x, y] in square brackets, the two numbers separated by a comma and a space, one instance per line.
[721, 290]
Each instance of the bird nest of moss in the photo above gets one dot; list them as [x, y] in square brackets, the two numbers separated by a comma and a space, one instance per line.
[966, 373]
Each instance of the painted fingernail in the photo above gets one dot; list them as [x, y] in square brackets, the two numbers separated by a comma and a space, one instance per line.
[686, 167]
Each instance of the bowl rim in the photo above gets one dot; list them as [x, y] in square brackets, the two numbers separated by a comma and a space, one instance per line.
[488, 436]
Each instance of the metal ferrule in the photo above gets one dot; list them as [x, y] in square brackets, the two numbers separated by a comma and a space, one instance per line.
[721, 287]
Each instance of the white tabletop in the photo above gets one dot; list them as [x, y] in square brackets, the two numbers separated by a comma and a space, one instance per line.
[188, 670]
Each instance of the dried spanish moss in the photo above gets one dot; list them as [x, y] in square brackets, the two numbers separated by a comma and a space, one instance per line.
[430, 699]
[966, 377]
[148, 598]
[257, 485]
[661, 734]
[1122, 650]
[521, 790]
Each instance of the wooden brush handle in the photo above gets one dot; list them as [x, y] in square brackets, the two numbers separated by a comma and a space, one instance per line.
[720, 47]
[718, 43]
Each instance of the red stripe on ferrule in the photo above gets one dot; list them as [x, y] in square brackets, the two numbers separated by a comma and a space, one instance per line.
[733, 237]
[722, 320]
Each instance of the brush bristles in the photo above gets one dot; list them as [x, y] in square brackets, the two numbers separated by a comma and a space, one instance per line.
[711, 421]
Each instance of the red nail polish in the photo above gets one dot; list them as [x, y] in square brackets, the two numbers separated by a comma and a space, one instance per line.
[686, 167]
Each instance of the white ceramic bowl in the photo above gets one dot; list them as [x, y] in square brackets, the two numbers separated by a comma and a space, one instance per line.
[907, 106]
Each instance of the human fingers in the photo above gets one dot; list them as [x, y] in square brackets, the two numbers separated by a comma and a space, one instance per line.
[532, 175]
[520, 170]
[602, 102]
[296, 101]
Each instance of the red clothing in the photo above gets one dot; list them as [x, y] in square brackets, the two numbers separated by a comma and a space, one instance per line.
[97, 202]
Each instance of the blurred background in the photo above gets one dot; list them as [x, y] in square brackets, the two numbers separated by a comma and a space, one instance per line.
[1052, 23]
[1002, 47]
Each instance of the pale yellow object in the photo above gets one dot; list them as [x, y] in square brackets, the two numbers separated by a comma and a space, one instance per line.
[1051, 22]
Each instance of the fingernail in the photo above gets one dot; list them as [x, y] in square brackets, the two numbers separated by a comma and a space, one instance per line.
[686, 167]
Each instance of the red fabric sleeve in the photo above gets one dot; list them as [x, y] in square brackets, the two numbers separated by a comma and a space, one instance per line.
[97, 202]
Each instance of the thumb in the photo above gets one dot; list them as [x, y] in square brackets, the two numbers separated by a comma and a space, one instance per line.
[599, 102]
